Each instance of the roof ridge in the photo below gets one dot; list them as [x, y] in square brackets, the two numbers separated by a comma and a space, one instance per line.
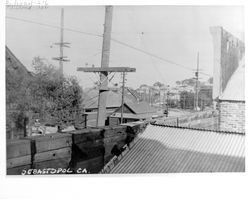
[200, 129]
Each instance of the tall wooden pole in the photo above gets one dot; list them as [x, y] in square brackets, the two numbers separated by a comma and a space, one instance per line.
[61, 42]
[61, 45]
[103, 91]
[123, 86]
[196, 86]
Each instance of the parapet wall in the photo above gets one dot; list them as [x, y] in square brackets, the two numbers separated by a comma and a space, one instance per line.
[228, 52]
[81, 151]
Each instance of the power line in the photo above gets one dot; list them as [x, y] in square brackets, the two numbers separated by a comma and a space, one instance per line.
[134, 27]
[91, 99]
[153, 55]
[92, 102]
[53, 26]
[93, 55]
[110, 79]
[94, 88]
[153, 62]
[112, 39]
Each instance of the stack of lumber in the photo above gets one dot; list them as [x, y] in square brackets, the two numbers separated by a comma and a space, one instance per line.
[87, 150]
[133, 129]
[51, 151]
[115, 135]
[18, 156]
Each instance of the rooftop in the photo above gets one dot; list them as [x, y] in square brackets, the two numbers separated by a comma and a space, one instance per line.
[161, 149]
[140, 107]
[137, 110]
[114, 98]
[14, 66]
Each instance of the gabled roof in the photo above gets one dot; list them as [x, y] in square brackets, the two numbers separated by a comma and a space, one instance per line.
[114, 99]
[13, 64]
[17, 77]
[169, 150]
[235, 89]
[140, 107]
[91, 99]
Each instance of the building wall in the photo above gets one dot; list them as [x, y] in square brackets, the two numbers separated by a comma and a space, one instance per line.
[232, 116]
[228, 51]
[113, 121]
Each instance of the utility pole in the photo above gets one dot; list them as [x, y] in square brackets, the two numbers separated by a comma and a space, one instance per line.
[103, 91]
[184, 104]
[123, 87]
[196, 98]
[149, 96]
[164, 97]
[168, 100]
[104, 70]
[61, 44]
[61, 41]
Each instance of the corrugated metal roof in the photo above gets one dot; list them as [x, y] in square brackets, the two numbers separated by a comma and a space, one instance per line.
[167, 150]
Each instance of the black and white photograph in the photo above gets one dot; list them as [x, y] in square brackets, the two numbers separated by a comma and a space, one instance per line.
[124, 99]
[124, 89]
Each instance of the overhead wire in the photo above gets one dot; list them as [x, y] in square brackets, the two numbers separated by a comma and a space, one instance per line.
[141, 37]
[112, 39]
[153, 62]
[54, 26]
[94, 88]
[92, 102]
[112, 77]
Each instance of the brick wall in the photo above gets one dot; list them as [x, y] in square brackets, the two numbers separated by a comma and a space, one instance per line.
[232, 116]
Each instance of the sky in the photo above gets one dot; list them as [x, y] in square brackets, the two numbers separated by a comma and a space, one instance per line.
[174, 33]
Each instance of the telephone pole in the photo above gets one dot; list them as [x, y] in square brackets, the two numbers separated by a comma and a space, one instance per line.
[105, 69]
[196, 98]
[103, 91]
[123, 87]
[61, 41]
[61, 44]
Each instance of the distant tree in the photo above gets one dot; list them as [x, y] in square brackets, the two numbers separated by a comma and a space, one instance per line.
[210, 80]
[178, 83]
[189, 82]
[158, 84]
[143, 85]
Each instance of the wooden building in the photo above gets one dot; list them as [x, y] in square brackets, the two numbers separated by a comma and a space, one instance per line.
[139, 111]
